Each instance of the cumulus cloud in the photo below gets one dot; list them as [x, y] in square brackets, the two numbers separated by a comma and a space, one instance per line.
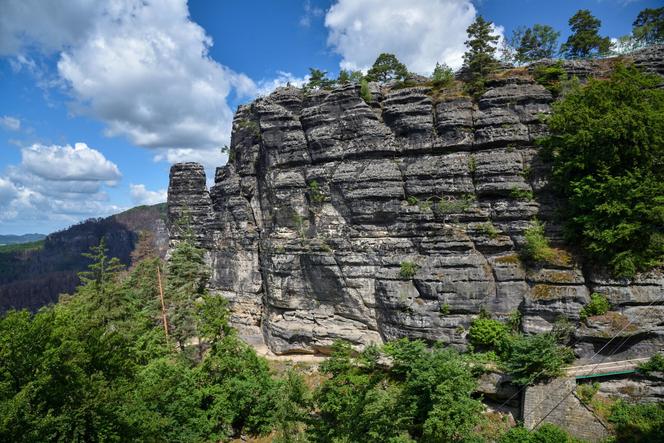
[58, 184]
[140, 195]
[66, 163]
[10, 123]
[142, 68]
[281, 79]
[419, 32]
[311, 12]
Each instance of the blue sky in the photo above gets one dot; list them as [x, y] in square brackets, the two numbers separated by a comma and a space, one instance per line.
[99, 98]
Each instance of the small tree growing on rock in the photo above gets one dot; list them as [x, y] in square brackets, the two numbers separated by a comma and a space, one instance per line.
[479, 60]
[387, 67]
[585, 40]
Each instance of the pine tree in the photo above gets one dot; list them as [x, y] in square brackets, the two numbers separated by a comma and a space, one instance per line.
[479, 60]
[386, 68]
[101, 278]
[585, 40]
[536, 43]
[648, 28]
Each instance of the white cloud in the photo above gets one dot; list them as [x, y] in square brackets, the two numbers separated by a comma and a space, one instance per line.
[140, 195]
[142, 68]
[60, 184]
[311, 12]
[10, 123]
[282, 79]
[419, 32]
[66, 163]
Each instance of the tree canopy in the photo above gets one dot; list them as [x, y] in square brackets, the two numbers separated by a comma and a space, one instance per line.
[648, 28]
[585, 40]
[540, 41]
[387, 67]
[607, 145]
[479, 59]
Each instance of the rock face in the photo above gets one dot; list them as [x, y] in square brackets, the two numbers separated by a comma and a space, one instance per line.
[327, 200]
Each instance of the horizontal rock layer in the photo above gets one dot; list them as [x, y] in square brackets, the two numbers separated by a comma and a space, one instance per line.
[326, 198]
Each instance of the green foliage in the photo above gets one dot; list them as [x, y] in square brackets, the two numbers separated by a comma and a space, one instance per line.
[20, 247]
[387, 68]
[490, 334]
[365, 93]
[648, 28]
[545, 433]
[479, 61]
[453, 205]
[412, 200]
[346, 77]
[318, 80]
[488, 229]
[315, 193]
[536, 43]
[522, 194]
[408, 269]
[536, 357]
[655, 364]
[442, 76]
[607, 146]
[634, 423]
[536, 247]
[424, 396]
[587, 391]
[599, 305]
[585, 40]
[551, 77]
[97, 366]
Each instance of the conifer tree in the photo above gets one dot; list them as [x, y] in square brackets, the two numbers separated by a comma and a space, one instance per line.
[479, 60]
[101, 278]
[536, 43]
[585, 40]
[386, 68]
[648, 28]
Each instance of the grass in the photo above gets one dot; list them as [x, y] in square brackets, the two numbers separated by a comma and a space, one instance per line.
[408, 269]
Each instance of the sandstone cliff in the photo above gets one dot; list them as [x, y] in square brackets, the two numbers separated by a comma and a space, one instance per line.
[326, 197]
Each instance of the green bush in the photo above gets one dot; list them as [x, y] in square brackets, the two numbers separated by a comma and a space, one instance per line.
[442, 76]
[317, 196]
[522, 194]
[551, 77]
[365, 93]
[536, 247]
[587, 391]
[408, 269]
[637, 422]
[455, 205]
[412, 200]
[491, 334]
[607, 146]
[655, 364]
[599, 305]
[488, 229]
[533, 358]
[545, 433]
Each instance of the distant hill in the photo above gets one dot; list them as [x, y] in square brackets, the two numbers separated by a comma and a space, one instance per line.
[17, 239]
[33, 274]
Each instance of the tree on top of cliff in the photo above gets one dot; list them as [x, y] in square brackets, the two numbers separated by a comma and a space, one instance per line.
[648, 28]
[479, 60]
[387, 67]
[535, 43]
[318, 79]
[585, 40]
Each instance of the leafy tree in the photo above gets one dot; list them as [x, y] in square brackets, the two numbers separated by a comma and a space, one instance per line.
[346, 77]
[488, 333]
[442, 76]
[387, 68]
[607, 145]
[536, 357]
[318, 80]
[643, 423]
[585, 40]
[535, 43]
[479, 60]
[648, 28]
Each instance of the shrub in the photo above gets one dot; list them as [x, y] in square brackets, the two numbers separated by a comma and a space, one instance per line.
[536, 247]
[455, 205]
[586, 392]
[408, 269]
[551, 77]
[637, 422]
[488, 229]
[522, 194]
[317, 196]
[488, 333]
[545, 433]
[655, 364]
[365, 93]
[412, 200]
[442, 76]
[599, 305]
[607, 150]
[536, 357]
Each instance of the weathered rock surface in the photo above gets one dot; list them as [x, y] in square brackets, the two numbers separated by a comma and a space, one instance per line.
[326, 196]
